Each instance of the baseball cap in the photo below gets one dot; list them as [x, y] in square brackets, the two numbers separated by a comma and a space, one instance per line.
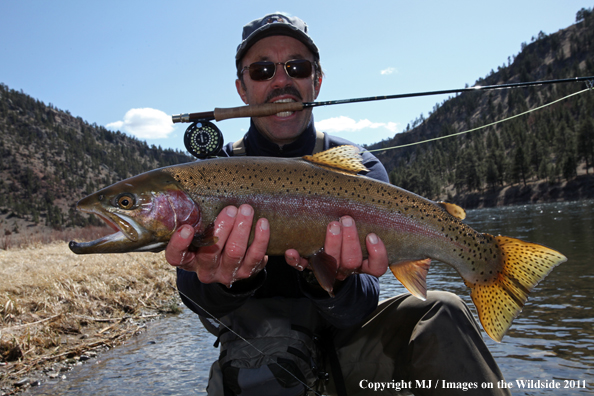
[277, 24]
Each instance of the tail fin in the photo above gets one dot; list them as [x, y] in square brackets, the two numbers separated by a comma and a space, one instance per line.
[524, 265]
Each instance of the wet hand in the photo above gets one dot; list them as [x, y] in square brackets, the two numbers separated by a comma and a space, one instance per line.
[231, 258]
[342, 243]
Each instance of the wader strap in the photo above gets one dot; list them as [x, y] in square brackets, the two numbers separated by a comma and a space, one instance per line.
[239, 146]
[319, 147]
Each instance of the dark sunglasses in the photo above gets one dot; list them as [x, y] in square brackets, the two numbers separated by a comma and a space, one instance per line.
[262, 71]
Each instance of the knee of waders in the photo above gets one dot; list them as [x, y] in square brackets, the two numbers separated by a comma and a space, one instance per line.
[446, 301]
[447, 312]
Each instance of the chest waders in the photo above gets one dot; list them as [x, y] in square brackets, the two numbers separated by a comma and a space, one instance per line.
[282, 355]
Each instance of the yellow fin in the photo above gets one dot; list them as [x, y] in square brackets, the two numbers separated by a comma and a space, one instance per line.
[524, 265]
[453, 209]
[346, 158]
[413, 275]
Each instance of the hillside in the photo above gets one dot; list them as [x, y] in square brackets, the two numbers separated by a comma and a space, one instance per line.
[50, 159]
[544, 156]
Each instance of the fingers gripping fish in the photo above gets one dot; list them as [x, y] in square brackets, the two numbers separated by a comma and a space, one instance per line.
[299, 197]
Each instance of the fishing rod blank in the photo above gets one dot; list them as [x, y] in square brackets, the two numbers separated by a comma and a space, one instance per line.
[267, 109]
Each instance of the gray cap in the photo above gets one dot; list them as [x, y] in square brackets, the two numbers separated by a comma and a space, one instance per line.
[275, 25]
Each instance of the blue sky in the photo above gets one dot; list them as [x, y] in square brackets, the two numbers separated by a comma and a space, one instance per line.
[131, 64]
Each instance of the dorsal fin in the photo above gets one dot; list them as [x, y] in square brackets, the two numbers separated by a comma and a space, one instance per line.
[346, 158]
[453, 209]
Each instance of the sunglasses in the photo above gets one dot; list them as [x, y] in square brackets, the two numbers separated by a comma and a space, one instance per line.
[263, 71]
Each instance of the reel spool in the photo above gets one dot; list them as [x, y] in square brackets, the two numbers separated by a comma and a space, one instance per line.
[203, 139]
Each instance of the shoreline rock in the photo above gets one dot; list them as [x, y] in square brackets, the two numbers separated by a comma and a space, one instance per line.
[580, 188]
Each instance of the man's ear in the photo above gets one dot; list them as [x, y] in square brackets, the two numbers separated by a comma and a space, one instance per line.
[241, 90]
[317, 86]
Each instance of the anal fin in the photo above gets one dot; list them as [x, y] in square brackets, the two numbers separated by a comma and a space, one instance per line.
[413, 275]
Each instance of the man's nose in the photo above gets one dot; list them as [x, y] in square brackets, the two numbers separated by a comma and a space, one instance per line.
[281, 78]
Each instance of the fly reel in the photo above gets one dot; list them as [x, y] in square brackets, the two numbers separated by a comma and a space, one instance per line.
[203, 139]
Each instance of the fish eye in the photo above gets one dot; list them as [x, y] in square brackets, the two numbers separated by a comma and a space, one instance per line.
[126, 201]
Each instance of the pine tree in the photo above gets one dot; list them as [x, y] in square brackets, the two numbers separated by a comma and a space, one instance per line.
[585, 142]
[520, 166]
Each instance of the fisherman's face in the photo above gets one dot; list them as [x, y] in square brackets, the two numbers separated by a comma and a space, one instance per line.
[282, 128]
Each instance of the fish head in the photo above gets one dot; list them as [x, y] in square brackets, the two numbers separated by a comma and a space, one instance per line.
[144, 211]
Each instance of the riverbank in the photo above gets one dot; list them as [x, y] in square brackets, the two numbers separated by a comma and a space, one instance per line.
[541, 191]
[59, 309]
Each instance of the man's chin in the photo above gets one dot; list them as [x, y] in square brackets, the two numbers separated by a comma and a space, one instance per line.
[282, 130]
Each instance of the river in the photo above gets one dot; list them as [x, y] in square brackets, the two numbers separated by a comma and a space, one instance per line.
[552, 341]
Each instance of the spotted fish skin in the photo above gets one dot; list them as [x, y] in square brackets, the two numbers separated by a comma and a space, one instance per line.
[299, 197]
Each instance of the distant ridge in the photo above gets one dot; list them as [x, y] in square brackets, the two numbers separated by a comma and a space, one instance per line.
[530, 155]
[50, 159]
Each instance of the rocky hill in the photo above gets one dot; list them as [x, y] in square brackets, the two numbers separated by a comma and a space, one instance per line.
[50, 159]
[544, 156]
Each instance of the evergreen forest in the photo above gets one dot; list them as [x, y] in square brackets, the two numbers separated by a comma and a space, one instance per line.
[544, 148]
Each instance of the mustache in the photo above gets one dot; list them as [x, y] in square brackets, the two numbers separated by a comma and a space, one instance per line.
[284, 91]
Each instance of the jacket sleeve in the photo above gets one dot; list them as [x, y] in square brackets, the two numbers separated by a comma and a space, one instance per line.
[214, 299]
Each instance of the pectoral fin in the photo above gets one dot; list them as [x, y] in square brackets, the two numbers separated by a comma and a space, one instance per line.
[413, 275]
[207, 238]
[325, 268]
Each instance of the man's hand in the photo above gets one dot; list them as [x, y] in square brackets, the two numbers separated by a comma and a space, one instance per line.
[230, 259]
[342, 243]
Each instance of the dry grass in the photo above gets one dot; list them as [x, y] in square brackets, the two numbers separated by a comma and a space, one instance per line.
[32, 235]
[56, 305]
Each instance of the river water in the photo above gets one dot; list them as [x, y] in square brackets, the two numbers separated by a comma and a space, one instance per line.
[552, 340]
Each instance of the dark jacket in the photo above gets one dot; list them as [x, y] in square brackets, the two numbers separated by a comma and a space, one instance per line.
[357, 296]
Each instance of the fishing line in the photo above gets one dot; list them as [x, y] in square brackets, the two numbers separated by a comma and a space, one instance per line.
[247, 342]
[204, 140]
[481, 127]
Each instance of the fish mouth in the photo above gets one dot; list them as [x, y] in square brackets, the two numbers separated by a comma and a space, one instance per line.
[129, 236]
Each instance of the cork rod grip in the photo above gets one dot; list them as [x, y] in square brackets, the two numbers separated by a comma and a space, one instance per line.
[261, 110]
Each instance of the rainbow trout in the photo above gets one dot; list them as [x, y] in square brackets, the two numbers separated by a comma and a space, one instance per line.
[299, 197]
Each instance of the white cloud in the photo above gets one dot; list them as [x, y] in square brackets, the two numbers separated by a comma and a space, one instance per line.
[144, 123]
[346, 124]
[389, 70]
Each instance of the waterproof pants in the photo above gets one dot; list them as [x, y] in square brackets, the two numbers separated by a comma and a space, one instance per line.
[407, 341]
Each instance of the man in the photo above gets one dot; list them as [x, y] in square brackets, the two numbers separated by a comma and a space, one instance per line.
[270, 311]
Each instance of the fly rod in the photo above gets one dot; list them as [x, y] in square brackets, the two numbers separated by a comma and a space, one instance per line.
[267, 109]
[203, 139]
